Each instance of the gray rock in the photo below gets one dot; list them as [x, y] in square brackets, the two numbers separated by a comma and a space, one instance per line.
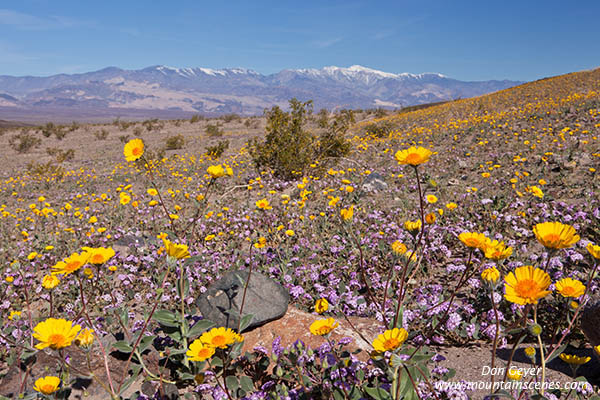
[266, 299]
[375, 182]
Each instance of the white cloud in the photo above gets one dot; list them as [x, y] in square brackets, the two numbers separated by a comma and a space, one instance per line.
[324, 43]
[30, 22]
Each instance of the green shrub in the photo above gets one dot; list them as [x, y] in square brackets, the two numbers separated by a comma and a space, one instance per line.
[137, 131]
[175, 142]
[213, 130]
[288, 148]
[60, 155]
[24, 142]
[196, 118]
[332, 142]
[101, 134]
[230, 117]
[379, 129]
[217, 150]
[124, 138]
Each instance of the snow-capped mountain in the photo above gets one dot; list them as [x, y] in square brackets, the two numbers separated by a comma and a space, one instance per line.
[164, 91]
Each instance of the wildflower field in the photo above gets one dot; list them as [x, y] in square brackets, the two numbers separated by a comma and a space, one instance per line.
[485, 230]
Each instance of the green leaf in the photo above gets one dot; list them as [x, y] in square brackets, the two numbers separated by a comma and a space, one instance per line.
[186, 376]
[245, 322]
[396, 361]
[165, 317]
[200, 327]
[557, 352]
[246, 383]
[233, 384]
[145, 343]
[123, 346]
[377, 393]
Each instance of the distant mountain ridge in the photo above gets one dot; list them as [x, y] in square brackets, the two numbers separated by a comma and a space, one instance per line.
[164, 91]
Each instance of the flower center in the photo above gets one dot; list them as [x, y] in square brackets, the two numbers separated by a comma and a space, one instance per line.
[204, 353]
[57, 341]
[137, 151]
[72, 266]
[97, 259]
[219, 340]
[568, 290]
[413, 158]
[552, 238]
[527, 289]
[47, 388]
[391, 343]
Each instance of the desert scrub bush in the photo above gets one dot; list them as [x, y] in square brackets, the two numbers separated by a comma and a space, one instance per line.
[123, 138]
[230, 118]
[332, 141]
[196, 118]
[45, 171]
[288, 148]
[251, 123]
[137, 131]
[213, 130]
[101, 134]
[217, 150]
[175, 142]
[379, 129]
[153, 124]
[24, 142]
[60, 155]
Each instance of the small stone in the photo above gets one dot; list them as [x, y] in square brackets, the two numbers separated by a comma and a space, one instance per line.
[375, 182]
[266, 300]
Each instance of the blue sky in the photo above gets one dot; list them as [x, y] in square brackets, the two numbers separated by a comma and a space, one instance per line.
[467, 40]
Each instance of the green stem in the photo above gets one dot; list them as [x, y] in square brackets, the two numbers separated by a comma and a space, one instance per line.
[543, 360]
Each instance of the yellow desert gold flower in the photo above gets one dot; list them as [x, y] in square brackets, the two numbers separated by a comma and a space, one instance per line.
[262, 242]
[347, 213]
[594, 250]
[432, 199]
[530, 351]
[99, 255]
[71, 264]
[176, 250]
[399, 248]
[263, 204]
[124, 198]
[322, 327]
[490, 275]
[555, 235]
[134, 149]
[515, 374]
[390, 340]
[321, 305]
[289, 233]
[536, 191]
[430, 218]
[413, 226]
[219, 337]
[50, 282]
[55, 333]
[474, 240]
[526, 285]
[199, 351]
[216, 171]
[495, 250]
[568, 287]
[85, 338]
[47, 385]
[152, 192]
[451, 206]
[413, 156]
[573, 359]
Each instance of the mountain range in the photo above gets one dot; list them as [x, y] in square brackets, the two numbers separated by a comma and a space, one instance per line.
[167, 92]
